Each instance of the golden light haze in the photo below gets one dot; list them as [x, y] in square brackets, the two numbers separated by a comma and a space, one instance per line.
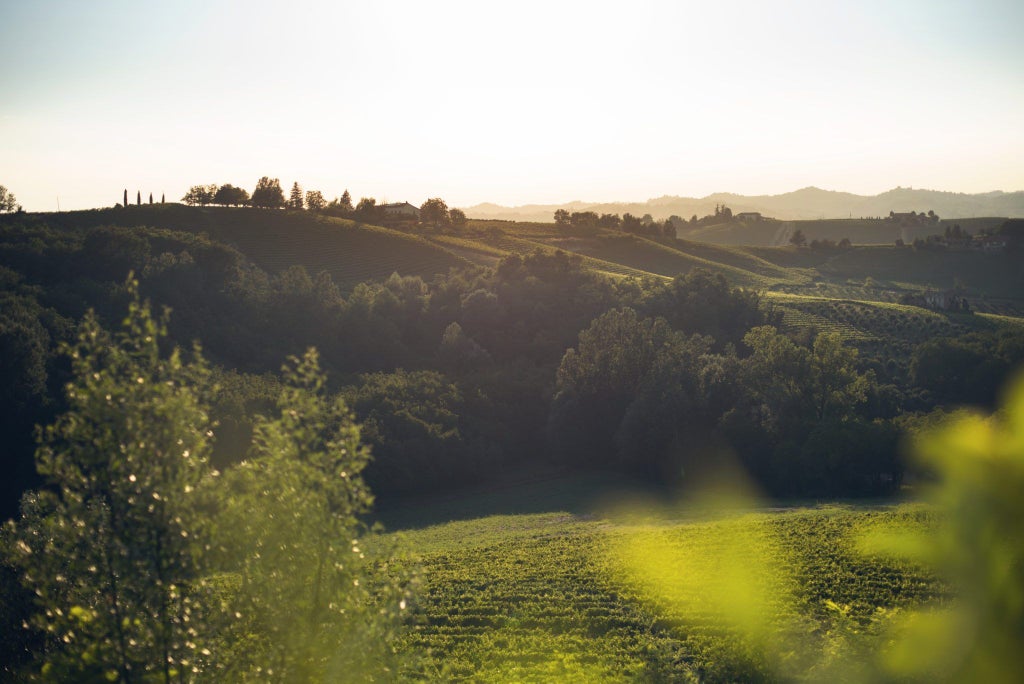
[511, 103]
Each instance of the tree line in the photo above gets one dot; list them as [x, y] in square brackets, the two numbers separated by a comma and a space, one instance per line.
[587, 222]
[269, 195]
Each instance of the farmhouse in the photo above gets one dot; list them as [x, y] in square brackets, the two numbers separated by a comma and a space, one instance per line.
[401, 210]
[748, 216]
[989, 243]
[938, 301]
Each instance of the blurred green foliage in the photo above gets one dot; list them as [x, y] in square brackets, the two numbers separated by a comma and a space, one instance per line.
[978, 465]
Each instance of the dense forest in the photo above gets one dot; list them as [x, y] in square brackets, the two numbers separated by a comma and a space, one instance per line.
[467, 378]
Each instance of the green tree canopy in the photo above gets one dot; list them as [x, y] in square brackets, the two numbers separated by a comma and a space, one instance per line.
[618, 359]
[268, 194]
[229, 195]
[315, 200]
[341, 206]
[7, 200]
[434, 211]
[201, 195]
[805, 401]
[368, 210]
[457, 217]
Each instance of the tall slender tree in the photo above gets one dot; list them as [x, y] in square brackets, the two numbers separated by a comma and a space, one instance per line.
[126, 197]
[138, 198]
[296, 199]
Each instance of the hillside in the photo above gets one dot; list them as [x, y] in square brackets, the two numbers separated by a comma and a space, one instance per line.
[776, 233]
[274, 240]
[991, 282]
[353, 252]
[556, 591]
[808, 203]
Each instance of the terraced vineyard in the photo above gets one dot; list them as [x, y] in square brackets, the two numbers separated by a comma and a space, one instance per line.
[625, 255]
[742, 258]
[652, 257]
[562, 597]
[862, 321]
[523, 246]
[474, 250]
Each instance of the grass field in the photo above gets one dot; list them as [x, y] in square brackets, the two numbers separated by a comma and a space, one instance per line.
[581, 593]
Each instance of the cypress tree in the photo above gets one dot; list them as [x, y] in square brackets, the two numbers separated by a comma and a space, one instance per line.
[126, 197]
[162, 198]
[138, 198]
[150, 198]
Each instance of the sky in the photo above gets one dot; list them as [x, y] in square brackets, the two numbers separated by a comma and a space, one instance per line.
[508, 102]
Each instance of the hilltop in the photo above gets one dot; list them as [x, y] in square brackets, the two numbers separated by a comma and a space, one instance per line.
[351, 252]
[807, 203]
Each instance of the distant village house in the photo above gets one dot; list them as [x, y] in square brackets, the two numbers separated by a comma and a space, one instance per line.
[401, 210]
[989, 243]
[750, 216]
[938, 301]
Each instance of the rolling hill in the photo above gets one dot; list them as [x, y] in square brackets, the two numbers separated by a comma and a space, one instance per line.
[807, 203]
[274, 240]
[854, 291]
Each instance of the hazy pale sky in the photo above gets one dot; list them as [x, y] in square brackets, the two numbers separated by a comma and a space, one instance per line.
[510, 102]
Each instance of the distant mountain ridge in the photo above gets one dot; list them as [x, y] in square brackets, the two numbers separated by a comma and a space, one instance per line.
[806, 203]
